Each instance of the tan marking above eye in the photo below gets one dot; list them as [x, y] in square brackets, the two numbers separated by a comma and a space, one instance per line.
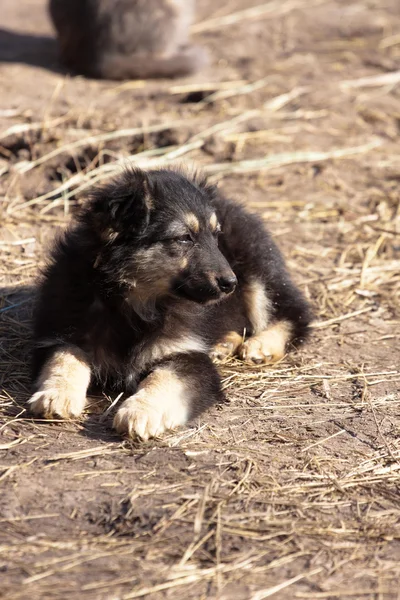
[192, 222]
[184, 263]
[214, 222]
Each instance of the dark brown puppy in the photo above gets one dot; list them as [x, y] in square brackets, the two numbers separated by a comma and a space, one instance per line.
[158, 273]
[126, 39]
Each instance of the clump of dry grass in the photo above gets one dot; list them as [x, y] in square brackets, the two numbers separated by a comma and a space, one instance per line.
[83, 180]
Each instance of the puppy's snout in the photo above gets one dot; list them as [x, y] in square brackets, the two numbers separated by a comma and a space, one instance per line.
[227, 282]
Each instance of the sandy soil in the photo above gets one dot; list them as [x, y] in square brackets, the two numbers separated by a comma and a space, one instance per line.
[292, 488]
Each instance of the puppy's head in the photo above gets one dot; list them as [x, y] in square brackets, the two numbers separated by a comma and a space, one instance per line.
[159, 237]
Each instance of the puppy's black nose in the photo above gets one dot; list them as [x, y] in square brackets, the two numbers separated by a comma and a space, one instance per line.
[227, 283]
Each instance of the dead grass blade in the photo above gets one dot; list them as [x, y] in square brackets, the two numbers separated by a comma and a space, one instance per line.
[263, 11]
[25, 167]
[390, 79]
[280, 160]
[87, 453]
[281, 586]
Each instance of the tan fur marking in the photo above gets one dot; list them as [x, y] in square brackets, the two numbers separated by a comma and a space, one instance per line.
[142, 293]
[227, 347]
[160, 403]
[267, 346]
[192, 222]
[164, 347]
[213, 221]
[62, 385]
[258, 305]
[184, 263]
[148, 282]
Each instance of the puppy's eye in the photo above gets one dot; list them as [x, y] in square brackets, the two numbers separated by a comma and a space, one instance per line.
[184, 239]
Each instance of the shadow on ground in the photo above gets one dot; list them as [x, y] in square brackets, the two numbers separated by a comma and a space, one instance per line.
[35, 50]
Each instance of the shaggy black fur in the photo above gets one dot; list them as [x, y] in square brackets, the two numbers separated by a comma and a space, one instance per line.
[126, 39]
[130, 275]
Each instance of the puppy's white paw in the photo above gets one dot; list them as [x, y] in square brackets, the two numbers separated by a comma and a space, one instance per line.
[158, 405]
[254, 351]
[227, 347]
[268, 346]
[62, 385]
[64, 402]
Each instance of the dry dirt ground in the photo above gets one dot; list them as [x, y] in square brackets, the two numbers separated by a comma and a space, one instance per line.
[292, 488]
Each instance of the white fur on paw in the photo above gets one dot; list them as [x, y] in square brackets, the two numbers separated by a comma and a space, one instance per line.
[62, 385]
[227, 347]
[65, 403]
[222, 350]
[267, 346]
[152, 410]
[253, 351]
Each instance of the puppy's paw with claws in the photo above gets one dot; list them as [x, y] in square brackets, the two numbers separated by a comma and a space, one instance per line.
[267, 347]
[253, 351]
[62, 385]
[65, 403]
[228, 346]
[157, 406]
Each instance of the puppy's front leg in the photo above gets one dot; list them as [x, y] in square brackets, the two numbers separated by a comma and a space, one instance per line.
[177, 390]
[62, 384]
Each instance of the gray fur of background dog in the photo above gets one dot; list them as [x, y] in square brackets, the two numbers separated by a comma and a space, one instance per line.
[126, 39]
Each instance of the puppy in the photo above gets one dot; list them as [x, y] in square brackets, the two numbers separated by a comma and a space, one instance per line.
[158, 272]
[126, 39]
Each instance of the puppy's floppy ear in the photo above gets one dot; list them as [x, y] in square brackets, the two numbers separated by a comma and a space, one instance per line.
[124, 204]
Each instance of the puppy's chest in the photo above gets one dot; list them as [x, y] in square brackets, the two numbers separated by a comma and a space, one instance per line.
[119, 345]
[160, 347]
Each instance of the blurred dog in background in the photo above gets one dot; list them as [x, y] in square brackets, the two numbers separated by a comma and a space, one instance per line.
[127, 39]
